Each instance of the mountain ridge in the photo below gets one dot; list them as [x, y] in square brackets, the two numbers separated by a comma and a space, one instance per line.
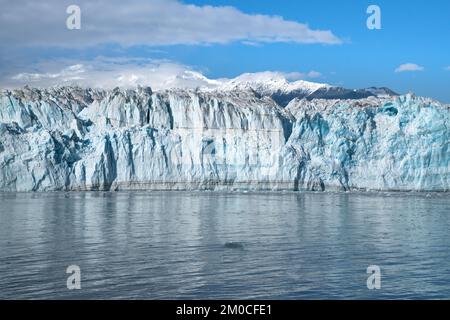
[277, 86]
[270, 84]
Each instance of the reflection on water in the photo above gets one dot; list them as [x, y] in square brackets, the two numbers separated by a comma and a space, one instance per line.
[170, 245]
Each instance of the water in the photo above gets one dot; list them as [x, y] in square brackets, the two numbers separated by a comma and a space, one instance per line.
[208, 245]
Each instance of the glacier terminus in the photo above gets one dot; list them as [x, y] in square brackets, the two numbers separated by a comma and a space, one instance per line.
[241, 135]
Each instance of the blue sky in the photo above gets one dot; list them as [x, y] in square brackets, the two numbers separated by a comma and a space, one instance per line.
[340, 46]
[412, 32]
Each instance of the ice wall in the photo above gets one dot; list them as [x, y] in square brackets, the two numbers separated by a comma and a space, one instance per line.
[85, 139]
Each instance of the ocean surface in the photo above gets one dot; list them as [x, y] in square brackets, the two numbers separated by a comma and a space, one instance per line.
[210, 245]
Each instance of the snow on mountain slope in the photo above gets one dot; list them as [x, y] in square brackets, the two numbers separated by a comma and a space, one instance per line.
[271, 84]
[267, 83]
[381, 92]
[84, 139]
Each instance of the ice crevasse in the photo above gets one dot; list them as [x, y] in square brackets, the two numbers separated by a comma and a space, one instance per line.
[71, 138]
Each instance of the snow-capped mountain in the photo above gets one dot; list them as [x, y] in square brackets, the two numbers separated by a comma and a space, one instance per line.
[276, 86]
[84, 139]
[268, 83]
[272, 84]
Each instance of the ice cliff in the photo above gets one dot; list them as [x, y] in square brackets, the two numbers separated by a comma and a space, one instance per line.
[69, 138]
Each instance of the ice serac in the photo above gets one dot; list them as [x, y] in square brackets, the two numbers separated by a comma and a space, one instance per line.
[71, 138]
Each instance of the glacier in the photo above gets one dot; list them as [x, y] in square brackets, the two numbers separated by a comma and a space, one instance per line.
[72, 138]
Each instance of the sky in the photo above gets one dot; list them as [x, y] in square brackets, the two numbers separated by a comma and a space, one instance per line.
[149, 42]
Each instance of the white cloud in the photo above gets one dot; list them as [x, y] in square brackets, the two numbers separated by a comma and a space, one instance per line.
[70, 73]
[151, 22]
[314, 74]
[128, 73]
[110, 73]
[409, 67]
[293, 76]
